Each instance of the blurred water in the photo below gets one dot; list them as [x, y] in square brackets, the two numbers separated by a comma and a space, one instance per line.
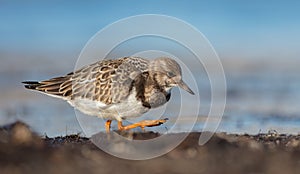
[256, 102]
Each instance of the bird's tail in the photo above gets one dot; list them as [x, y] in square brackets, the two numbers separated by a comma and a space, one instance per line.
[31, 84]
[57, 87]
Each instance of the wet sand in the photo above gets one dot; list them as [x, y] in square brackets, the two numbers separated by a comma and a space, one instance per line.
[22, 151]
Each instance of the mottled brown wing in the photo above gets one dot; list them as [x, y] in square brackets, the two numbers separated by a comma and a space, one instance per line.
[107, 81]
[94, 81]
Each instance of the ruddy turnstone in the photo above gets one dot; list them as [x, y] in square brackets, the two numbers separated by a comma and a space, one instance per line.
[117, 89]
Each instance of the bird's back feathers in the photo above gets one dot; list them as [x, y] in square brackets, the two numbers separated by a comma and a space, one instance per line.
[107, 81]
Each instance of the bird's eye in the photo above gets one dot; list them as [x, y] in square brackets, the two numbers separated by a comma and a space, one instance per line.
[171, 74]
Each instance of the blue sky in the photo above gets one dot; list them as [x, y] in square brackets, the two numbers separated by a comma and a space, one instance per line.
[246, 29]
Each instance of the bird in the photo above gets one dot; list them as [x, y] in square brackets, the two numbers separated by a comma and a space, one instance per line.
[117, 89]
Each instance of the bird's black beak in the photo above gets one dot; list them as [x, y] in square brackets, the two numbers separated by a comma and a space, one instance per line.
[184, 86]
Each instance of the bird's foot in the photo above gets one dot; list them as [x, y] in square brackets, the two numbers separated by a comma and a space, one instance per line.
[142, 124]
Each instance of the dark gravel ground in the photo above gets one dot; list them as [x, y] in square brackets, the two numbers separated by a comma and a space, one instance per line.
[22, 151]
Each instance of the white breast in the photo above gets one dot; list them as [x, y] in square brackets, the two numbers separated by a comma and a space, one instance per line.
[123, 110]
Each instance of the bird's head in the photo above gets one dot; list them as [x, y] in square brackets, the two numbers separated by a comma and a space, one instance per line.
[167, 73]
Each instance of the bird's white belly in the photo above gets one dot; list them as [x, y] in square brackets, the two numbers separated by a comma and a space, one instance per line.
[123, 110]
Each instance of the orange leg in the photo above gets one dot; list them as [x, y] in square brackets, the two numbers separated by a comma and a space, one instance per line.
[107, 126]
[142, 124]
